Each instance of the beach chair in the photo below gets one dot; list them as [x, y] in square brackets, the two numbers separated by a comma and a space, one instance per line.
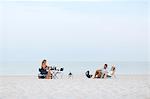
[55, 72]
[111, 75]
[61, 72]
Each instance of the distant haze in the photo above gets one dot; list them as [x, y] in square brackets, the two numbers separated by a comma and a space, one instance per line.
[73, 31]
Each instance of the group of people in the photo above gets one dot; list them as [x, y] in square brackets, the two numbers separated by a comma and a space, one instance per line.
[104, 73]
[49, 72]
[46, 72]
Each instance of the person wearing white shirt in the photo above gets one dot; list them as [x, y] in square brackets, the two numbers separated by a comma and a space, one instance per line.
[104, 71]
[101, 73]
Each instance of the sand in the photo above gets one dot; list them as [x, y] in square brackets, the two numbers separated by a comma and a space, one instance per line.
[28, 87]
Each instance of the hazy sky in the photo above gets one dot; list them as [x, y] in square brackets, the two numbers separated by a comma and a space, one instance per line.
[74, 31]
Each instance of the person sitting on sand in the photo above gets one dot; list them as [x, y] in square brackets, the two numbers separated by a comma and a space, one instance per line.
[112, 72]
[45, 71]
[101, 73]
[104, 71]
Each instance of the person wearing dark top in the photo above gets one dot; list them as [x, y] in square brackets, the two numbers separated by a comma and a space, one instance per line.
[87, 73]
[45, 70]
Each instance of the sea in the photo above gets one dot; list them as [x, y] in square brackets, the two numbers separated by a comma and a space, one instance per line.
[76, 68]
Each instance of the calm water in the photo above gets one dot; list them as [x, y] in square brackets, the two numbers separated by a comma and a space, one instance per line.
[31, 68]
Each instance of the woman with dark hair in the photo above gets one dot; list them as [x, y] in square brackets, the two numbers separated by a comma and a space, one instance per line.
[45, 71]
[104, 71]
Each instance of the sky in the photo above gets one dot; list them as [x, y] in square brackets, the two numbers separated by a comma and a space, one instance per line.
[73, 31]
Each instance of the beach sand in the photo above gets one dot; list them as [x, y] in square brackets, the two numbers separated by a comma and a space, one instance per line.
[29, 87]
